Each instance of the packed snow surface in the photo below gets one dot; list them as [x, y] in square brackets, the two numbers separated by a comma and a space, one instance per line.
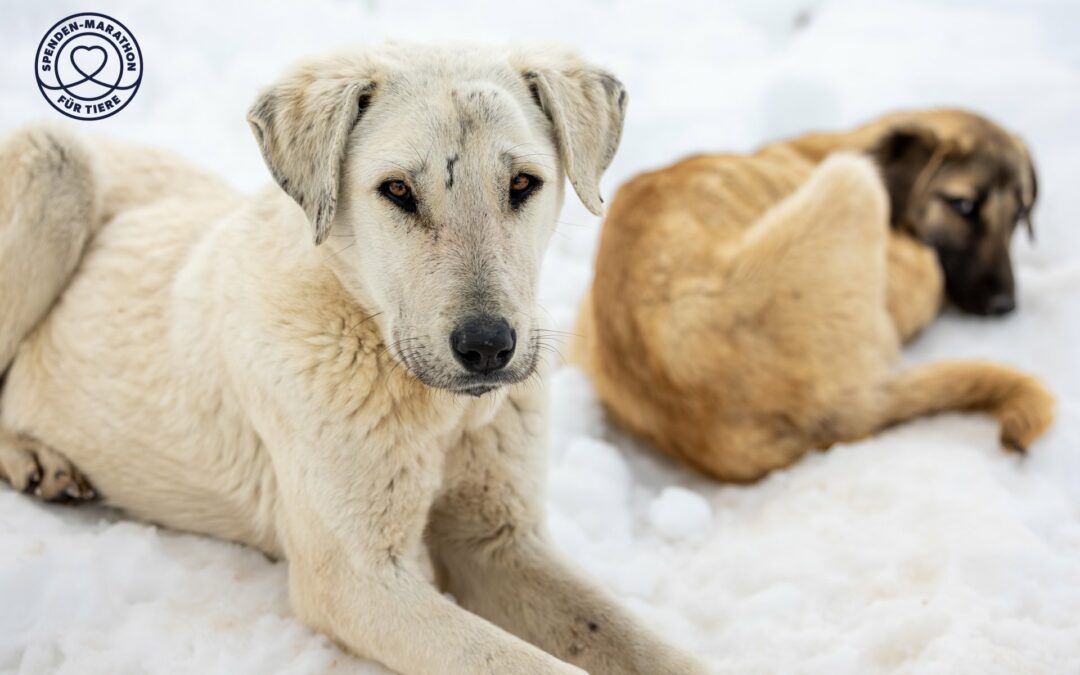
[924, 550]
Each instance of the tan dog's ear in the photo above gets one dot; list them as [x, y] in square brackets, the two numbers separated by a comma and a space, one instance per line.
[302, 124]
[1029, 189]
[586, 106]
[905, 156]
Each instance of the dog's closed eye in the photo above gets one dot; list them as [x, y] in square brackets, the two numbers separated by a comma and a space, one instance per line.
[963, 206]
[399, 194]
[522, 186]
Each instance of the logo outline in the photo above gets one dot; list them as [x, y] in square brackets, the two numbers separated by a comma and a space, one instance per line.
[133, 87]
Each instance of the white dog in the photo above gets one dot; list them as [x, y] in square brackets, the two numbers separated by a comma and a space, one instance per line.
[351, 407]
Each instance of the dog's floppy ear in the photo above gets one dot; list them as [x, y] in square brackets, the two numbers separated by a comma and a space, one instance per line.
[904, 156]
[1029, 191]
[586, 107]
[302, 124]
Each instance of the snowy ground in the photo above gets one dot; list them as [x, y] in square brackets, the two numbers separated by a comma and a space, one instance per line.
[926, 550]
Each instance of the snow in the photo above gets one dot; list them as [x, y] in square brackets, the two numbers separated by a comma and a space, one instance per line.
[678, 513]
[924, 550]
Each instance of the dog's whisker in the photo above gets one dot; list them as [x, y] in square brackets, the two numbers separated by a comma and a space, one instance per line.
[361, 322]
[414, 150]
[534, 154]
[404, 168]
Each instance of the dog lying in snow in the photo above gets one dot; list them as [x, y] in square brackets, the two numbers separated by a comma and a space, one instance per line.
[748, 309]
[189, 354]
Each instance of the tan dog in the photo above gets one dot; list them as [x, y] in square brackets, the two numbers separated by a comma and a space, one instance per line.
[353, 407]
[748, 309]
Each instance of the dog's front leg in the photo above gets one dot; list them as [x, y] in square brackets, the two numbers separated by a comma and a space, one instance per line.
[489, 546]
[351, 516]
[915, 288]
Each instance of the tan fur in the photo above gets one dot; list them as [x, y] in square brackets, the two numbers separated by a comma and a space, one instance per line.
[191, 353]
[748, 309]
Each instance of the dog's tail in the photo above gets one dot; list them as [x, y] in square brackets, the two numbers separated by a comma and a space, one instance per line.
[1022, 405]
[48, 212]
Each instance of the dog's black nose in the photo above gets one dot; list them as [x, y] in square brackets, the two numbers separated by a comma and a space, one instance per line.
[1000, 304]
[484, 344]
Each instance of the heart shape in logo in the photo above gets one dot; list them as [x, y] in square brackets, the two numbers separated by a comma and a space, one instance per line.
[89, 61]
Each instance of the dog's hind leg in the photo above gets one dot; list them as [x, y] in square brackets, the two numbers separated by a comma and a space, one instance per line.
[48, 212]
[804, 313]
[35, 468]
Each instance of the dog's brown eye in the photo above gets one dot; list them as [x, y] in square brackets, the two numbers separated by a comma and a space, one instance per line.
[400, 194]
[521, 186]
[520, 182]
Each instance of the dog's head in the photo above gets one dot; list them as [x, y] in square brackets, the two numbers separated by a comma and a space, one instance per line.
[436, 175]
[962, 185]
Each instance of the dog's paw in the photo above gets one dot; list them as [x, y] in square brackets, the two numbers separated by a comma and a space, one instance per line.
[35, 468]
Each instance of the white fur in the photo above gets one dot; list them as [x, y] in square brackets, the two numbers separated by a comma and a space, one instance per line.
[209, 369]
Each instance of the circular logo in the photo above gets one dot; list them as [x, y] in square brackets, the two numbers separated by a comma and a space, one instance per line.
[88, 66]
